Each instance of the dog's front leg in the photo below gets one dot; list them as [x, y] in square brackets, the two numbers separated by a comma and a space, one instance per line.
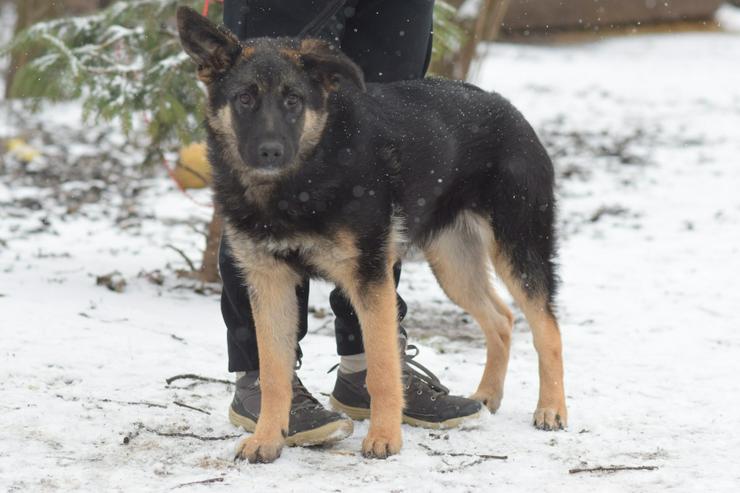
[274, 307]
[375, 305]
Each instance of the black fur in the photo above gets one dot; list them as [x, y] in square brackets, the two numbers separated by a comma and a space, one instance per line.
[427, 149]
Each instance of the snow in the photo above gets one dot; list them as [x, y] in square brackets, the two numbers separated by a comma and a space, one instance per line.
[645, 133]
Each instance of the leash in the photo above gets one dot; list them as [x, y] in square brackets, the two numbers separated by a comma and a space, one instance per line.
[317, 23]
[206, 4]
[171, 173]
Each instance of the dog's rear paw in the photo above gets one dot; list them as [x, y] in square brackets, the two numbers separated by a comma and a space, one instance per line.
[491, 400]
[380, 445]
[257, 450]
[551, 418]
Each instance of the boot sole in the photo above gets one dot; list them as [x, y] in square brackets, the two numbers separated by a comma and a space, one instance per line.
[323, 435]
[361, 413]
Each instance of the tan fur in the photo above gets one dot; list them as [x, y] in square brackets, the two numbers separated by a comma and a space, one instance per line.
[376, 309]
[460, 257]
[247, 52]
[551, 412]
[292, 55]
[313, 127]
[272, 295]
[312, 45]
[221, 122]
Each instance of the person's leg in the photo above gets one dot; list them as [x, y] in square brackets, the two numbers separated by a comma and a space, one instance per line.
[390, 41]
[274, 18]
[347, 327]
[236, 309]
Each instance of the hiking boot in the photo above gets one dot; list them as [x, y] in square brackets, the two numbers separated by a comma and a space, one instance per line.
[310, 423]
[428, 402]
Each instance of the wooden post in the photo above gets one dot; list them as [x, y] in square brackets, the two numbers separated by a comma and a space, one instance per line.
[209, 263]
[486, 28]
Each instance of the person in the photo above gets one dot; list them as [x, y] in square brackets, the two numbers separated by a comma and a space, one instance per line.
[390, 40]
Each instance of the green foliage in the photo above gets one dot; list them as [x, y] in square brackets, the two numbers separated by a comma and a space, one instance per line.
[126, 61]
[448, 34]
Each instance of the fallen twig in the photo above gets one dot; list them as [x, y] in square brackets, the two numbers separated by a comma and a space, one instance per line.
[461, 454]
[612, 469]
[190, 435]
[183, 255]
[192, 376]
[135, 403]
[457, 467]
[203, 481]
[182, 404]
[325, 450]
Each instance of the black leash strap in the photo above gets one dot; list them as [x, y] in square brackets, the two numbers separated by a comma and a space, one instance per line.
[314, 27]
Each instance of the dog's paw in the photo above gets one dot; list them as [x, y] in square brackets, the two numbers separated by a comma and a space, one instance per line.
[381, 444]
[550, 418]
[491, 400]
[259, 450]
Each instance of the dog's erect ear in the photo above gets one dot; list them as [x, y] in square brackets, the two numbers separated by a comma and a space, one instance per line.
[214, 49]
[329, 64]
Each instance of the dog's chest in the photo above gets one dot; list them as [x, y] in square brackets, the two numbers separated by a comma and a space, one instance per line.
[317, 256]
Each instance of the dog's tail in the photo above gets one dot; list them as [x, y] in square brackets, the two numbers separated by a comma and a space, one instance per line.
[522, 218]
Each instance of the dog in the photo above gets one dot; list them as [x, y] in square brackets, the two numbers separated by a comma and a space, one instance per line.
[317, 173]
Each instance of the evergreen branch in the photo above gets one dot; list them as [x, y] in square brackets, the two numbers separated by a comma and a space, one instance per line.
[74, 63]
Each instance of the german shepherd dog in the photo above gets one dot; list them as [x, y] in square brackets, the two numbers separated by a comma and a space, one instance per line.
[318, 174]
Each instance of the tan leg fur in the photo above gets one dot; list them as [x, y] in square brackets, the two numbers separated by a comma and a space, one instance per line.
[375, 305]
[459, 258]
[551, 412]
[272, 293]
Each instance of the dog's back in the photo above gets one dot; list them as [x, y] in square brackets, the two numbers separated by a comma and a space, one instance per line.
[458, 149]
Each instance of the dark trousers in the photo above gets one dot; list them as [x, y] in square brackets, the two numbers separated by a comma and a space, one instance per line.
[390, 40]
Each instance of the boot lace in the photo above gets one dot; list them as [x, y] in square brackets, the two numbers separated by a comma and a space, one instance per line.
[416, 373]
[302, 398]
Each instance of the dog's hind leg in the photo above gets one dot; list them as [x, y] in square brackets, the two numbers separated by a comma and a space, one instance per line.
[272, 285]
[459, 258]
[522, 217]
[529, 283]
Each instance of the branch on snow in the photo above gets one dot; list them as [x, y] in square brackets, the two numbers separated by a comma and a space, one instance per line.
[612, 469]
[191, 376]
[204, 481]
[189, 435]
[440, 453]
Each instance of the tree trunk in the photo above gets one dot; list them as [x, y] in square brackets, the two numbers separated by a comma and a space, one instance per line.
[30, 12]
[486, 28]
[209, 264]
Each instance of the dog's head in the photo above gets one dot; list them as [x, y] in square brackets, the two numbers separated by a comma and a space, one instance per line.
[267, 97]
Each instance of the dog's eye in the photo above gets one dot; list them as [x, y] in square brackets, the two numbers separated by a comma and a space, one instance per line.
[292, 101]
[246, 99]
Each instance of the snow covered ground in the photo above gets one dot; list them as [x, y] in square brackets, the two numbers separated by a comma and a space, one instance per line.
[645, 132]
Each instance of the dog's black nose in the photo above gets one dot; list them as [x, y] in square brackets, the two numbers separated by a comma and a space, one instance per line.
[271, 153]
